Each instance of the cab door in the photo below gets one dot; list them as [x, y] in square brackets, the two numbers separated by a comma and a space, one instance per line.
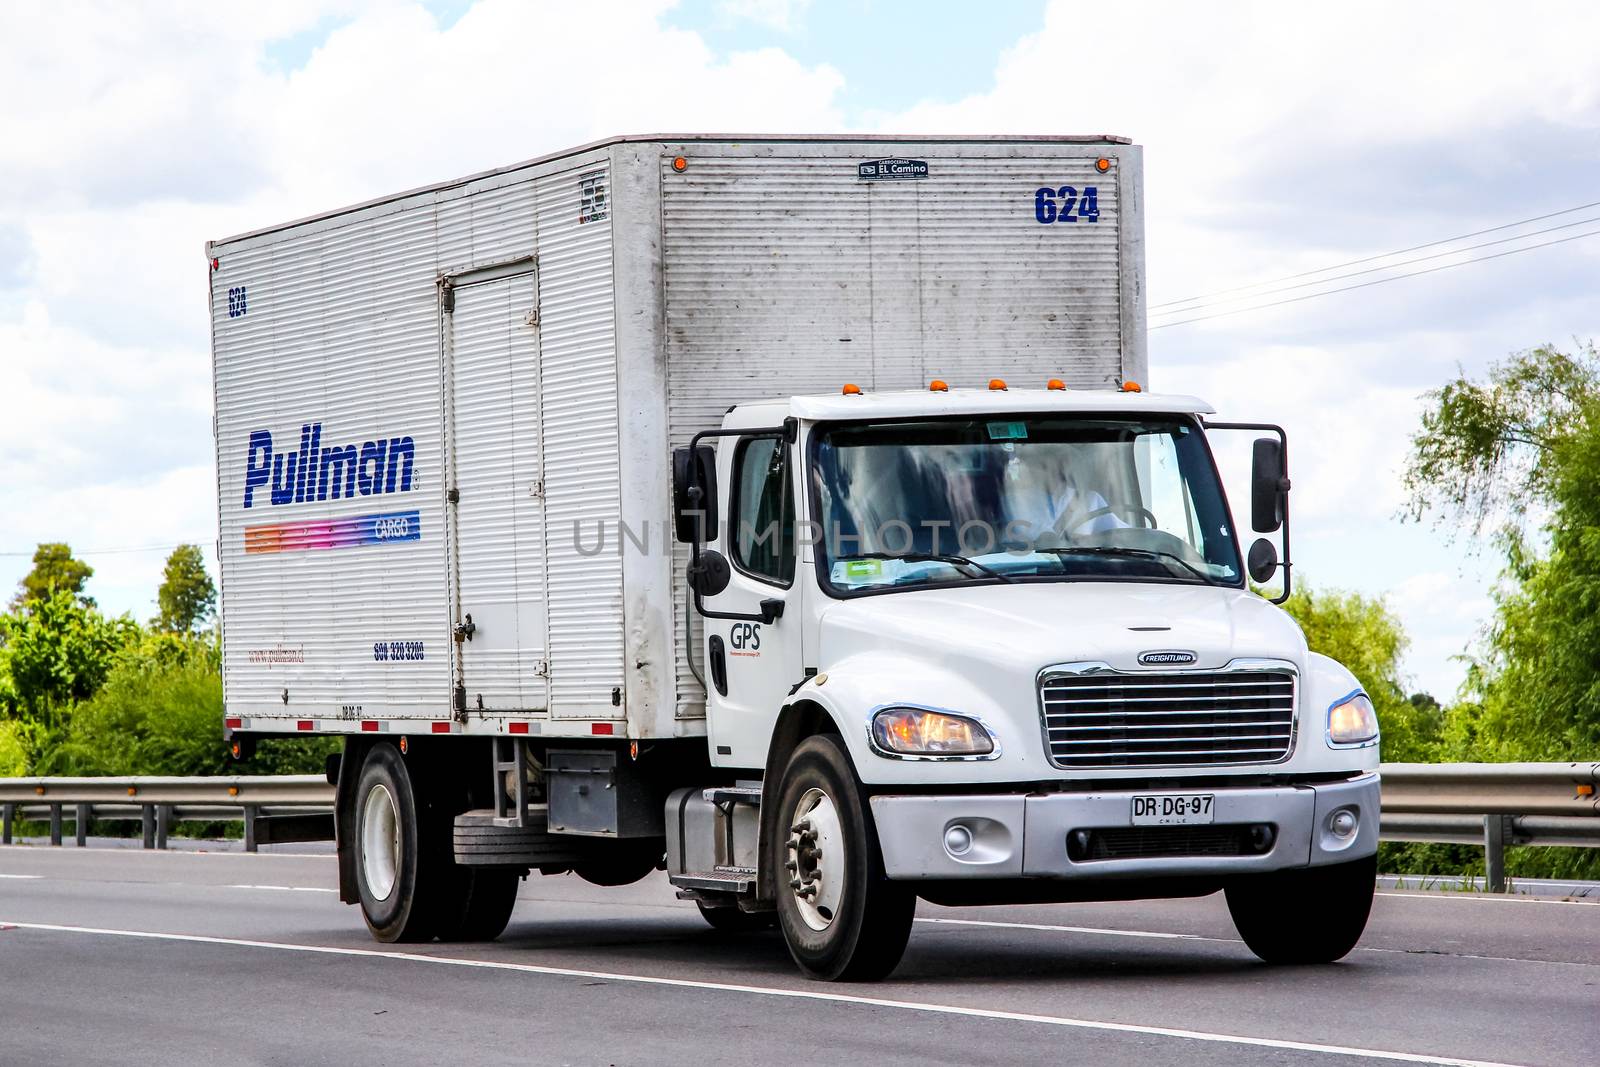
[753, 663]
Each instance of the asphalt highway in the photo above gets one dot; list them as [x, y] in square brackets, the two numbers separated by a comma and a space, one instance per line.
[119, 956]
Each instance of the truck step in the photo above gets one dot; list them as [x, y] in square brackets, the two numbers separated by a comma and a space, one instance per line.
[737, 880]
[735, 794]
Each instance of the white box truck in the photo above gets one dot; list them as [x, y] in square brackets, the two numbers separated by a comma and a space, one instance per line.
[789, 513]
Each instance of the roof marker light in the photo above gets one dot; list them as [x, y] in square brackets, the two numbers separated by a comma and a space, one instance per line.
[938, 385]
[851, 389]
[1102, 164]
[1131, 387]
[680, 164]
[1055, 384]
[997, 384]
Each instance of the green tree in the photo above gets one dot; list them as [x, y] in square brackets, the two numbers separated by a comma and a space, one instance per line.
[58, 652]
[54, 571]
[187, 596]
[1364, 635]
[1518, 449]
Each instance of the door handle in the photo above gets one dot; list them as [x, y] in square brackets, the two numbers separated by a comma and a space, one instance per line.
[717, 660]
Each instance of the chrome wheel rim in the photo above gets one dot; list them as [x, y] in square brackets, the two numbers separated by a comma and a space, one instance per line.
[380, 841]
[816, 859]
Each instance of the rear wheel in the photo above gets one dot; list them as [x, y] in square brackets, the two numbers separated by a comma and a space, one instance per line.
[1306, 915]
[484, 907]
[404, 871]
[842, 919]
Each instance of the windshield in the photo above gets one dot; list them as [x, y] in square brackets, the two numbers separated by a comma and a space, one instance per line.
[1019, 498]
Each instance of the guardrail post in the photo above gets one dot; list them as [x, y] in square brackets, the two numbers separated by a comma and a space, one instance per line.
[1495, 833]
[250, 813]
[8, 812]
[80, 824]
[147, 824]
[55, 824]
[163, 823]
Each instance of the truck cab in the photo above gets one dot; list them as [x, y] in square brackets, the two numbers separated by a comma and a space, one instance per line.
[999, 644]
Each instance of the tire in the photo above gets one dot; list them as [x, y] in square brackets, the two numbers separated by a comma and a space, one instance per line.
[732, 920]
[1307, 915]
[484, 908]
[405, 875]
[849, 928]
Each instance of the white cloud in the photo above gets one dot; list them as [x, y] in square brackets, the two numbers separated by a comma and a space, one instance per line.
[782, 15]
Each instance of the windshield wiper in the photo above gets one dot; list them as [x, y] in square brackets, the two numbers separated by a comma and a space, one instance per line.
[937, 557]
[1136, 553]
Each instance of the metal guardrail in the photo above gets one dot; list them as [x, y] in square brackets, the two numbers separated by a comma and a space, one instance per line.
[1489, 804]
[273, 808]
[1493, 805]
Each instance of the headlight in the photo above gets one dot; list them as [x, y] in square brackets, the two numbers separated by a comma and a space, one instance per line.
[924, 732]
[1352, 721]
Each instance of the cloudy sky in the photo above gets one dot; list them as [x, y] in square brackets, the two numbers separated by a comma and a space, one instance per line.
[1277, 141]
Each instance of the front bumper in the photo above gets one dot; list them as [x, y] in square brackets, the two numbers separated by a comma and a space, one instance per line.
[1016, 836]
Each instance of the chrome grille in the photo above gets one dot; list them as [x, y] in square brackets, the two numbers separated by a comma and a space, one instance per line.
[1107, 719]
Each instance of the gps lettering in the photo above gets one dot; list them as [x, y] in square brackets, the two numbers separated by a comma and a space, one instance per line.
[315, 472]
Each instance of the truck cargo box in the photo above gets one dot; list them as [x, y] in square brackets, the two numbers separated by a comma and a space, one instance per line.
[445, 418]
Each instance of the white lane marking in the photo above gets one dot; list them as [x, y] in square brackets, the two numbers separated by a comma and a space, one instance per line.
[20, 876]
[286, 888]
[1495, 898]
[1238, 941]
[794, 994]
[1076, 929]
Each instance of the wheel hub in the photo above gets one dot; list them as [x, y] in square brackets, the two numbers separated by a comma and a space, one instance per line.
[815, 861]
[380, 842]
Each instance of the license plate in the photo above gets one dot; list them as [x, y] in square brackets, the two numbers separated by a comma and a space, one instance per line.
[1172, 809]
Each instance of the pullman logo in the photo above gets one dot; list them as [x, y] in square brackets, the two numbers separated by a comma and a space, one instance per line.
[1167, 657]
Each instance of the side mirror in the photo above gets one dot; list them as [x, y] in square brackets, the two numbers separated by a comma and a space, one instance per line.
[709, 574]
[694, 494]
[1269, 485]
[1262, 562]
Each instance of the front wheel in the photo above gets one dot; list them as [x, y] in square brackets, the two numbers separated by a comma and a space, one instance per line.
[842, 919]
[1306, 915]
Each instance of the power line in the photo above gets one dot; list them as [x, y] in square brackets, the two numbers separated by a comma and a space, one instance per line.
[113, 551]
[1390, 266]
[1378, 281]
[1370, 259]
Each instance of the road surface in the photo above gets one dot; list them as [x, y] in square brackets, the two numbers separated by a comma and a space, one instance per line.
[111, 955]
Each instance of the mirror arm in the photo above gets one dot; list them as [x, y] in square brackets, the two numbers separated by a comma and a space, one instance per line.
[1287, 563]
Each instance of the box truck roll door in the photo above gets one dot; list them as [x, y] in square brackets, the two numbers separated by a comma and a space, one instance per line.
[752, 660]
[496, 494]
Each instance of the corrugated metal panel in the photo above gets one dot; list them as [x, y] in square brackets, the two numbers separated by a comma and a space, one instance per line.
[495, 467]
[339, 331]
[781, 255]
[578, 400]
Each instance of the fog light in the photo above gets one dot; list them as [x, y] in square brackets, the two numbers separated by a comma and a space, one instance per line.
[1261, 837]
[1078, 844]
[1343, 822]
[958, 840]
